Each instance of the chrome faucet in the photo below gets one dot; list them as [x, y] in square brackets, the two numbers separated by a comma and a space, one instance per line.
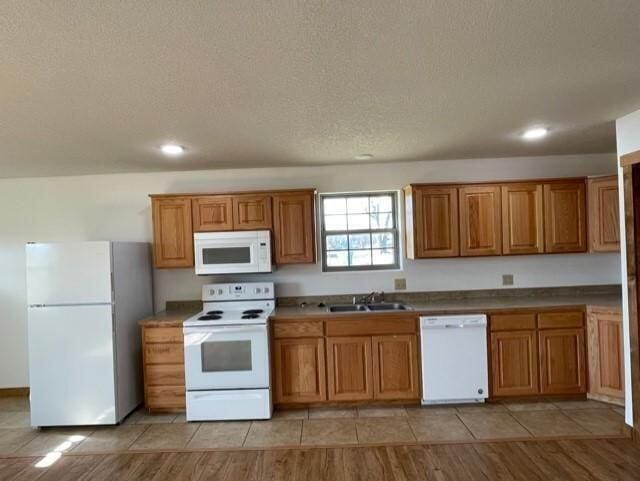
[370, 298]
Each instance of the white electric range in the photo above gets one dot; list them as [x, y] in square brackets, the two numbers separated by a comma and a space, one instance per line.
[226, 353]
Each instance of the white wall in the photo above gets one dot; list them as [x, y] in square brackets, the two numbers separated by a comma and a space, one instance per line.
[628, 140]
[116, 207]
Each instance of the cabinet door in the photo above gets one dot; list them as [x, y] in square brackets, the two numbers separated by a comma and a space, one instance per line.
[172, 232]
[299, 370]
[514, 363]
[480, 221]
[293, 228]
[604, 216]
[395, 367]
[349, 368]
[606, 366]
[436, 222]
[522, 219]
[564, 217]
[562, 361]
[252, 212]
[212, 213]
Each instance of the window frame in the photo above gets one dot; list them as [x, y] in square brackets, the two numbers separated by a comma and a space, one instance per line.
[395, 231]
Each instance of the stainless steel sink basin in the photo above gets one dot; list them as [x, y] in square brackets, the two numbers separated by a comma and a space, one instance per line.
[384, 306]
[347, 308]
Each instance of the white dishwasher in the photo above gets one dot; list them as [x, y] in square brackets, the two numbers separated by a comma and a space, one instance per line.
[454, 359]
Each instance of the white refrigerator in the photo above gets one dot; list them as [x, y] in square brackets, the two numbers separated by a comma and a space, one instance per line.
[84, 303]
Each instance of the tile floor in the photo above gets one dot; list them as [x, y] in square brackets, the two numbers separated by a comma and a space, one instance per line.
[315, 427]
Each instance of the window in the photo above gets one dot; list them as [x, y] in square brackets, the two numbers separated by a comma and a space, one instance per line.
[359, 231]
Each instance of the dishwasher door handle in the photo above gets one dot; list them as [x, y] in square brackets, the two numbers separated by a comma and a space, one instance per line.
[454, 326]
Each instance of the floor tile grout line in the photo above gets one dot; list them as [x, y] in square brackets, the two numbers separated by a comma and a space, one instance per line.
[193, 435]
[520, 424]
[465, 425]
[244, 441]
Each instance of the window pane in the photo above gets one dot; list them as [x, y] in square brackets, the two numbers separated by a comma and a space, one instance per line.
[382, 221]
[381, 203]
[335, 222]
[383, 239]
[359, 241]
[383, 256]
[359, 221]
[357, 205]
[337, 242]
[337, 259]
[335, 205]
[360, 258]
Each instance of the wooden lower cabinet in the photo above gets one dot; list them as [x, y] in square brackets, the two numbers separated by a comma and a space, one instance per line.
[349, 368]
[604, 346]
[514, 362]
[395, 367]
[163, 368]
[562, 361]
[299, 370]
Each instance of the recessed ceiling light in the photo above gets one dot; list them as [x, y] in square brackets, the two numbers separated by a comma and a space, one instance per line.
[535, 133]
[172, 149]
[364, 157]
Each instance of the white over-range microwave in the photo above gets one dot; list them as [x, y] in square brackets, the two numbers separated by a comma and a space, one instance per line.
[232, 252]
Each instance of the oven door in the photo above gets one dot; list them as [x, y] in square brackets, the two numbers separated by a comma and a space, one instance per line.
[226, 357]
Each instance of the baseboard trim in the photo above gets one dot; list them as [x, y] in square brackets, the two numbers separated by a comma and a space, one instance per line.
[14, 392]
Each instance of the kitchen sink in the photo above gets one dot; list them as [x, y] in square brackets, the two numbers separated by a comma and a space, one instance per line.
[383, 306]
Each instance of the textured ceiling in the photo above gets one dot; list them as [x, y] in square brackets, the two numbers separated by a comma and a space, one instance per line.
[96, 86]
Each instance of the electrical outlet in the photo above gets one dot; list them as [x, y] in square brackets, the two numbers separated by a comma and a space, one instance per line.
[507, 279]
[400, 284]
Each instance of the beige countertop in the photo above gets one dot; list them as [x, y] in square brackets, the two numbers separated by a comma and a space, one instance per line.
[168, 318]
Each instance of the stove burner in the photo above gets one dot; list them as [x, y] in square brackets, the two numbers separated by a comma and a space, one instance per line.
[253, 311]
[214, 313]
[209, 317]
[250, 316]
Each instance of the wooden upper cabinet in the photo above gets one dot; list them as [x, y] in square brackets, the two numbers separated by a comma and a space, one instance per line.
[522, 219]
[172, 232]
[432, 222]
[604, 216]
[480, 220]
[299, 370]
[514, 363]
[605, 354]
[562, 361]
[293, 228]
[349, 368]
[252, 212]
[565, 222]
[395, 367]
[212, 213]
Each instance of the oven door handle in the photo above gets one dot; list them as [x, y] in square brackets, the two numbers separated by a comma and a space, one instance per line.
[226, 329]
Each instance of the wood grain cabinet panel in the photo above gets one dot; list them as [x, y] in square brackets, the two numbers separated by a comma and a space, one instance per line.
[395, 367]
[293, 228]
[212, 213]
[604, 216]
[565, 223]
[172, 232]
[299, 370]
[514, 363]
[433, 229]
[480, 220]
[252, 212]
[522, 219]
[605, 354]
[349, 368]
[562, 361]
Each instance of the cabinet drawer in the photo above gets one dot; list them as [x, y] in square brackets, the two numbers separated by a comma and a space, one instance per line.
[163, 334]
[164, 375]
[297, 329]
[513, 322]
[165, 397]
[164, 354]
[371, 326]
[552, 320]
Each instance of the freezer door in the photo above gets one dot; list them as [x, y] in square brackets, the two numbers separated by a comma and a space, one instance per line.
[71, 365]
[69, 273]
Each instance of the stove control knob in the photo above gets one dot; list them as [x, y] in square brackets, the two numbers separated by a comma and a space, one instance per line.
[220, 292]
